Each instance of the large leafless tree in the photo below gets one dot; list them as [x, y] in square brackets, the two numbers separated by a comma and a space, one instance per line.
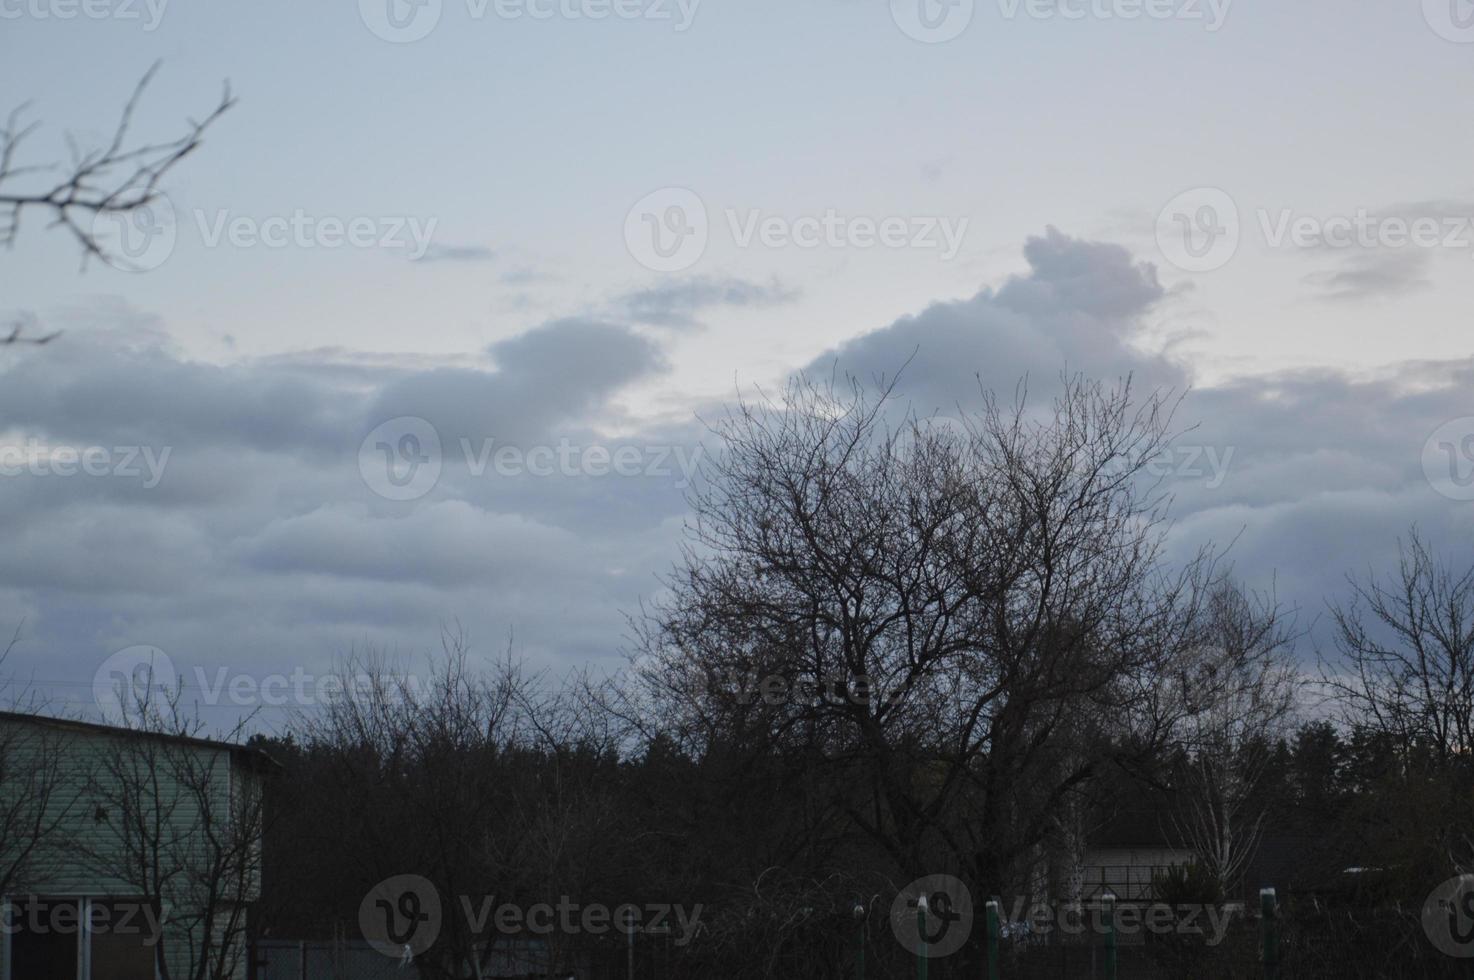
[964, 624]
[1402, 674]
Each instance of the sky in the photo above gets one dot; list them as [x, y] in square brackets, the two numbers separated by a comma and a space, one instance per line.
[425, 330]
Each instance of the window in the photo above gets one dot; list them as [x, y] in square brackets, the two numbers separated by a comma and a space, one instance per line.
[42, 939]
[79, 939]
[124, 937]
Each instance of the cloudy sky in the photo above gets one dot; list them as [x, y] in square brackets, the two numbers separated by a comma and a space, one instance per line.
[424, 330]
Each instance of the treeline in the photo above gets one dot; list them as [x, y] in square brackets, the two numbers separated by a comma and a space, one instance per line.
[894, 649]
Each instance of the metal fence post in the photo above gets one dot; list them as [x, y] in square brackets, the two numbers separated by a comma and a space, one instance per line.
[1110, 935]
[991, 914]
[921, 937]
[1269, 925]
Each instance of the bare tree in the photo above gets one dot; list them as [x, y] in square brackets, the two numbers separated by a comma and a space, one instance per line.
[1406, 654]
[967, 624]
[1403, 677]
[1247, 706]
[426, 768]
[179, 822]
[36, 800]
[117, 178]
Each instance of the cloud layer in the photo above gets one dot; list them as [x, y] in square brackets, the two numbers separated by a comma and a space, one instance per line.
[268, 542]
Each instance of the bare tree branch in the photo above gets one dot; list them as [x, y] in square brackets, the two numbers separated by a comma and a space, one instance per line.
[114, 179]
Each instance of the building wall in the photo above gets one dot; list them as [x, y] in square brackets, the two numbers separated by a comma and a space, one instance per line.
[1128, 871]
[93, 782]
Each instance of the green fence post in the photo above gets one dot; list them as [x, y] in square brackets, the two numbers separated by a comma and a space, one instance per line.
[991, 913]
[921, 937]
[1110, 936]
[1269, 926]
[860, 949]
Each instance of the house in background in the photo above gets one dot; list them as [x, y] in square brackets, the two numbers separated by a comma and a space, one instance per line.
[122, 851]
[1128, 855]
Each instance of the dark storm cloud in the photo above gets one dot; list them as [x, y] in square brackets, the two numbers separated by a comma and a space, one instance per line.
[557, 373]
[1078, 308]
[126, 386]
[262, 548]
[1308, 474]
[1362, 275]
[679, 303]
[457, 253]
